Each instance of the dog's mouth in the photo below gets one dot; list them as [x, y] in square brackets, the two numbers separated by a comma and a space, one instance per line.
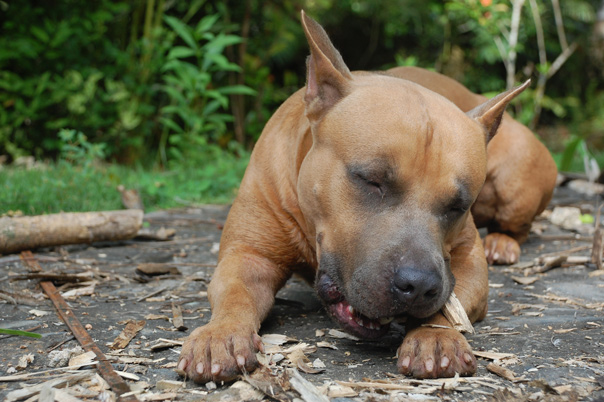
[350, 319]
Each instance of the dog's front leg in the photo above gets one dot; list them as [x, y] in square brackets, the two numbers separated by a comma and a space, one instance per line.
[241, 295]
[429, 351]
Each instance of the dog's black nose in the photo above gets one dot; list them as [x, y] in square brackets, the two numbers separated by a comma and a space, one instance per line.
[413, 286]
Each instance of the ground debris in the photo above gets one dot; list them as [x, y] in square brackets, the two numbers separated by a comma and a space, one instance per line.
[124, 338]
[154, 269]
[502, 372]
[549, 329]
[61, 381]
[177, 319]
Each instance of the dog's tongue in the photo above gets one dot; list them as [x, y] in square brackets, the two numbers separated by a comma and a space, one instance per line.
[357, 324]
[351, 320]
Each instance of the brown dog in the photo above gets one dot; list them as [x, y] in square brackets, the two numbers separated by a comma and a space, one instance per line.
[363, 183]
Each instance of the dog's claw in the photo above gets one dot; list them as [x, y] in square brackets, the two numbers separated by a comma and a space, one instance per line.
[501, 249]
[219, 351]
[431, 353]
[199, 368]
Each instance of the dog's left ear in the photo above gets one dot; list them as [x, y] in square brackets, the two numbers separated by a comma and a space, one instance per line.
[328, 77]
[489, 114]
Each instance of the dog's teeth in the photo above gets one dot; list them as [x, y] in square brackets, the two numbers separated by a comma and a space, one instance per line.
[360, 322]
[350, 309]
[386, 320]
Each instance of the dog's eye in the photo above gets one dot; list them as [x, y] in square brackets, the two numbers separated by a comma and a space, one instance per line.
[370, 185]
[456, 210]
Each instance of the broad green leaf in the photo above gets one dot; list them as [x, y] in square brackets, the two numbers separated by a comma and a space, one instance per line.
[182, 30]
[181, 52]
[237, 89]
[206, 23]
[569, 153]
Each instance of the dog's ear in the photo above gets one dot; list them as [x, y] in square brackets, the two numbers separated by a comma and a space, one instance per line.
[328, 78]
[489, 114]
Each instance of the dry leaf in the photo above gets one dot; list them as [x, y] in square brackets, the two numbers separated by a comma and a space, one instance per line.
[276, 339]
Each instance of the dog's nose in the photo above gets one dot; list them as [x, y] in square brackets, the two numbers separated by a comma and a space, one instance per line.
[414, 286]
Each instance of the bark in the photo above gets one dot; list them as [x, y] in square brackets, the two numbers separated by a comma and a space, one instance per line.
[30, 232]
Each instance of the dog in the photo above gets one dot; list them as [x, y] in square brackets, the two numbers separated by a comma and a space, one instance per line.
[368, 186]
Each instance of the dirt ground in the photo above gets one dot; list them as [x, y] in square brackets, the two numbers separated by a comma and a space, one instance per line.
[543, 338]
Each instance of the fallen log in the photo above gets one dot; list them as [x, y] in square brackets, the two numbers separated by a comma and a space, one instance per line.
[30, 232]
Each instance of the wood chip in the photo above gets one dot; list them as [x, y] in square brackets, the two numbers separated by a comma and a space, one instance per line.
[83, 359]
[305, 388]
[340, 391]
[177, 319]
[493, 355]
[341, 335]
[162, 234]
[548, 264]
[57, 382]
[157, 317]
[167, 396]
[455, 313]
[153, 269]
[25, 360]
[324, 344]
[166, 343]
[564, 331]
[168, 385]
[81, 291]
[123, 339]
[38, 313]
[128, 376]
[525, 280]
[60, 395]
[299, 360]
[502, 372]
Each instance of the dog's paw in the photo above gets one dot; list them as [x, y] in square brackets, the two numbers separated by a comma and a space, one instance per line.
[219, 351]
[435, 352]
[501, 249]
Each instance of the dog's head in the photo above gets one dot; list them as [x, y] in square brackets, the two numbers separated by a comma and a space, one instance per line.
[387, 187]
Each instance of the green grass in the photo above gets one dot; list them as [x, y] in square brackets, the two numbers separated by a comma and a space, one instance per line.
[69, 188]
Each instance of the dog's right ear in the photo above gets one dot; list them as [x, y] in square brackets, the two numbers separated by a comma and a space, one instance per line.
[490, 113]
[328, 78]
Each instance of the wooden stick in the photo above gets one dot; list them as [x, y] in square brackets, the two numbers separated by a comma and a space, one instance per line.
[455, 313]
[29, 232]
[66, 314]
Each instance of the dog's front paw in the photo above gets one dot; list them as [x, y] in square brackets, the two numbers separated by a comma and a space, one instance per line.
[435, 352]
[501, 249]
[219, 351]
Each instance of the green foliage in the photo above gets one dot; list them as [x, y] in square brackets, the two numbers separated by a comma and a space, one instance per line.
[128, 85]
[177, 85]
[196, 113]
[76, 149]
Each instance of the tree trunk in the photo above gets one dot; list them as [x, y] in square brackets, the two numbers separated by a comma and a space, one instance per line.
[29, 232]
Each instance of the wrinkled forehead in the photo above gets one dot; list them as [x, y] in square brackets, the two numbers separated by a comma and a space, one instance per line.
[410, 129]
[399, 117]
